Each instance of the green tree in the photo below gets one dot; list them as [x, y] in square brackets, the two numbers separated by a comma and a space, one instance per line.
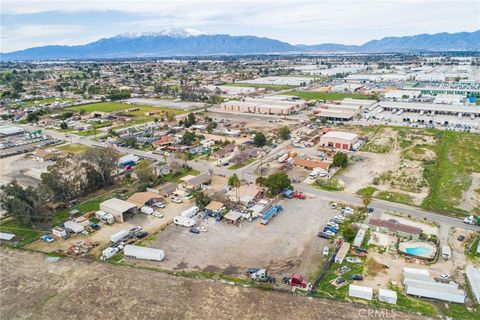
[259, 140]
[188, 138]
[234, 182]
[170, 116]
[131, 142]
[24, 205]
[63, 125]
[144, 171]
[340, 159]
[201, 200]
[349, 232]
[105, 161]
[284, 133]
[261, 181]
[277, 182]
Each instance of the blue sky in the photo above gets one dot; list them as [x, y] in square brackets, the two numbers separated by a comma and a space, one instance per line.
[29, 23]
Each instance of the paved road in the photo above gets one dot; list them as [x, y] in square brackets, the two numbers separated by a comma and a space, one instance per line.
[247, 173]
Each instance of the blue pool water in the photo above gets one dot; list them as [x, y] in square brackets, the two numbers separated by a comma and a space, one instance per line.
[418, 251]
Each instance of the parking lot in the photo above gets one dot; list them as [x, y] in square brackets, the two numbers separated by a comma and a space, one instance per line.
[289, 243]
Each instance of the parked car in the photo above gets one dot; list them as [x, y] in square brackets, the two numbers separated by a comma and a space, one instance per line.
[141, 234]
[202, 229]
[339, 217]
[444, 276]
[325, 251]
[194, 230]
[330, 233]
[160, 205]
[339, 281]
[95, 226]
[135, 229]
[461, 237]
[334, 205]
[48, 238]
[158, 215]
[176, 200]
[332, 224]
[325, 235]
[357, 277]
[370, 209]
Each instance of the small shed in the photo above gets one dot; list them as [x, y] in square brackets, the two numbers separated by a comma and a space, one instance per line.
[73, 226]
[214, 208]
[233, 216]
[7, 237]
[360, 292]
[59, 232]
[388, 296]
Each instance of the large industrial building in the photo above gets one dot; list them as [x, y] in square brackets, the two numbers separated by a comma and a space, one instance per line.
[338, 140]
[446, 109]
[275, 105]
[345, 110]
[118, 208]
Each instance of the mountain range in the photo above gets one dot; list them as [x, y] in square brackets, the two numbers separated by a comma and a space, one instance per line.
[188, 42]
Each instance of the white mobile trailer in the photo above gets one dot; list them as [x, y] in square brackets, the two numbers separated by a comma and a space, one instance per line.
[108, 253]
[190, 212]
[119, 236]
[184, 221]
[143, 253]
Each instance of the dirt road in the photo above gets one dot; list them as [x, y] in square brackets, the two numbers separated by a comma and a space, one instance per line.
[33, 288]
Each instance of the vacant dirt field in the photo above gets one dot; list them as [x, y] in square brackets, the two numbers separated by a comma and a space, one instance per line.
[289, 243]
[26, 170]
[33, 288]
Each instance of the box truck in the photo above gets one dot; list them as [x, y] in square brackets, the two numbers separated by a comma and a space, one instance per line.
[105, 217]
[108, 253]
[143, 253]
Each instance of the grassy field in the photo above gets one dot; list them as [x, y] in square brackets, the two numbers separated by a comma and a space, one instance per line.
[366, 191]
[23, 234]
[118, 106]
[308, 95]
[395, 197]
[33, 102]
[240, 165]
[450, 174]
[73, 148]
[258, 85]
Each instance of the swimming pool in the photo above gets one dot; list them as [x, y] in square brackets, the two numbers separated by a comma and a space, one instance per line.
[418, 251]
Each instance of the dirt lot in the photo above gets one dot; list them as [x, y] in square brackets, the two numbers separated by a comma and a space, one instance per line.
[33, 288]
[232, 249]
[148, 223]
[25, 169]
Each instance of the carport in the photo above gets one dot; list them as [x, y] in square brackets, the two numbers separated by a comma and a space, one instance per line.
[120, 209]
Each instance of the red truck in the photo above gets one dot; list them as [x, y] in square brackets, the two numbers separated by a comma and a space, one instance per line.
[298, 281]
[298, 195]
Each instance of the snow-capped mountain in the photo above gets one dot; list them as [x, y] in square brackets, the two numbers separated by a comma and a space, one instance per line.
[169, 32]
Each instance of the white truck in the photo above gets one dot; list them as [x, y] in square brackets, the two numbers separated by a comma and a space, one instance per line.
[143, 253]
[190, 212]
[283, 158]
[184, 221]
[318, 172]
[472, 220]
[147, 210]
[119, 236]
[105, 217]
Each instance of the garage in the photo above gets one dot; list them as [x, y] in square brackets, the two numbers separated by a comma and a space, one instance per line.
[339, 140]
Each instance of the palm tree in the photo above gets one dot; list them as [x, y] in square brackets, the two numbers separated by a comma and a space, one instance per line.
[234, 181]
[366, 199]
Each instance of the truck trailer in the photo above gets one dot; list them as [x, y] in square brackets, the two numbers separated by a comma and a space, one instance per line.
[184, 221]
[272, 212]
[190, 212]
[143, 253]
